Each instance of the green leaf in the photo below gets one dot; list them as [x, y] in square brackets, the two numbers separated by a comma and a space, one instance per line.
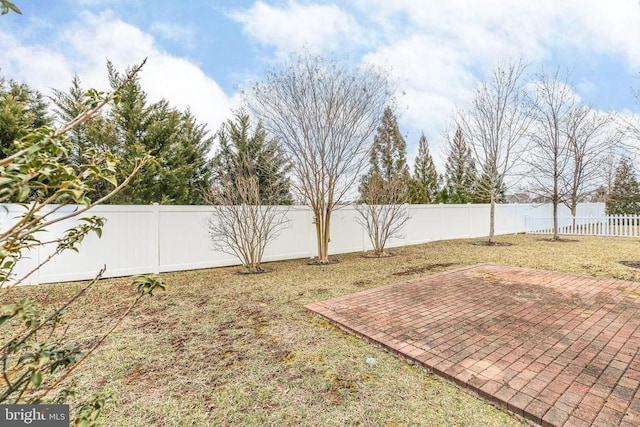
[4, 318]
[36, 378]
[24, 193]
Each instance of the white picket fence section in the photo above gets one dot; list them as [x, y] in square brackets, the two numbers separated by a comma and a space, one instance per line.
[611, 225]
[156, 239]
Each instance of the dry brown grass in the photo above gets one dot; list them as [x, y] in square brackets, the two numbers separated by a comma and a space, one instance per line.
[224, 349]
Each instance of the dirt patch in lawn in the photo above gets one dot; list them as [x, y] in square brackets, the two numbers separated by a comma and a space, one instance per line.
[423, 269]
[491, 244]
[551, 240]
[632, 264]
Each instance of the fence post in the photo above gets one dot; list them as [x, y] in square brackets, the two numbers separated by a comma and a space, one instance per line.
[155, 241]
[441, 221]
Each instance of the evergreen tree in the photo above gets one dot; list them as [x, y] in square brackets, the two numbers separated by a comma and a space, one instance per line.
[97, 133]
[134, 127]
[22, 110]
[388, 159]
[246, 152]
[424, 185]
[460, 171]
[483, 191]
[624, 196]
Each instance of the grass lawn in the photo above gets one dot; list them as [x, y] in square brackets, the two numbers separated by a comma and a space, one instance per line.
[224, 349]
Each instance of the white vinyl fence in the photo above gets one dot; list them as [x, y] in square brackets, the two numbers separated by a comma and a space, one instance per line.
[155, 239]
[612, 225]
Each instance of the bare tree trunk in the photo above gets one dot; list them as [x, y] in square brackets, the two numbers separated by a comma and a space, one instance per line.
[324, 251]
[323, 113]
[492, 220]
[495, 125]
[556, 234]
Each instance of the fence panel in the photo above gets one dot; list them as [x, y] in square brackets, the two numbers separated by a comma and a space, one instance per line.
[597, 225]
[147, 239]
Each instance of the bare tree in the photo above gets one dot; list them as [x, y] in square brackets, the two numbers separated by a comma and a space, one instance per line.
[592, 140]
[494, 126]
[240, 225]
[606, 167]
[324, 113]
[553, 102]
[383, 211]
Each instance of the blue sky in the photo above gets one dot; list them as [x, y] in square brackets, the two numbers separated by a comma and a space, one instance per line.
[201, 52]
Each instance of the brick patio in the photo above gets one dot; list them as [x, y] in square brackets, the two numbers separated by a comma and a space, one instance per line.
[555, 348]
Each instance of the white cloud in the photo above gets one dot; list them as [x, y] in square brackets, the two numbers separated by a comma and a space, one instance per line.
[289, 28]
[93, 39]
[174, 32]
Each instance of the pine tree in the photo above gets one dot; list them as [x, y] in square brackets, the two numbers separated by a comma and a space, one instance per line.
[424, 185]
[482, 193]
[22, 110]
[460, 171]
[624, 196]
[388, 159]
[246, 152]
[97, 134]
[180, 172]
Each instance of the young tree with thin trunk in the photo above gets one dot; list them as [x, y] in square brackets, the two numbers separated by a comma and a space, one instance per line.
[591, 139]
[323, 113]
[606, 167]
[494, 127]
[383, 211]
[552, 103]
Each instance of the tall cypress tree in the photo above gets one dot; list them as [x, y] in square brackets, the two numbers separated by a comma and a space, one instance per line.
[460, 171]
[180, 172]
[424, 185]
[98, 133]
[388, 159]
[624, 196]
[246, 152]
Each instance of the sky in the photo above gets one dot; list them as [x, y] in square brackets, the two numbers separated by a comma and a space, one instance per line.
[202, 53]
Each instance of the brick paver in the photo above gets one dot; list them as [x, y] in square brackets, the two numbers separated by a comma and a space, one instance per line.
[555, 348]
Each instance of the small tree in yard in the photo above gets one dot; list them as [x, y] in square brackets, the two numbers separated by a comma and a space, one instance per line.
[383, 211]
[553, 103]
[624, 196]
[591, 141]
[240, 225]
[323, 113]
[36, 354]
[494, 127]
[249, 182]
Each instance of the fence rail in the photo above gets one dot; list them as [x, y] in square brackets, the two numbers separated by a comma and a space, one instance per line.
[607, 225]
